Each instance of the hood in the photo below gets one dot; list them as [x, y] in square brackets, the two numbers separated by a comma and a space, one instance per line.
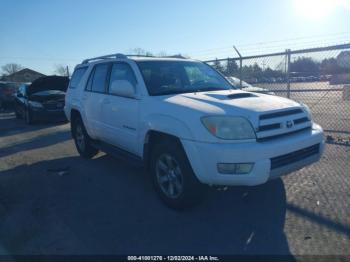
[48, 83]
[189, 108]
[231, 102]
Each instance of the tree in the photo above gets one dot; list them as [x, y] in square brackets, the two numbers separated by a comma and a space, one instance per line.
[330, 66]
[217, 65]
[140, 51]
[61, 70]
[231, 67]
[9, 69]
[305, 66]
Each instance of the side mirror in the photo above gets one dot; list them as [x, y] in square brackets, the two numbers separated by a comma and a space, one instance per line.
[122, 88]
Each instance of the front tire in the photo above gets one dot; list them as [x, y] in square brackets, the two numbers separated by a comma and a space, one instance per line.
[173, 177]
[82, 139]
[18, 115]
[28, 118]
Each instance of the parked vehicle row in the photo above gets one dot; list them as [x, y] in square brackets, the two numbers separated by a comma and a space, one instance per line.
[293, 78]
[187, 125]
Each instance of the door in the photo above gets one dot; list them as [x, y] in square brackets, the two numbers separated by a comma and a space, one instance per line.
[93, 98]
[120, 113]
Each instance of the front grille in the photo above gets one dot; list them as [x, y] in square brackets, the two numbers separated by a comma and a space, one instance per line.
[300, 120]
[285, 122]
[269, 127]
[295, 156]
[56, 105]
[268, 138]
[281, 113]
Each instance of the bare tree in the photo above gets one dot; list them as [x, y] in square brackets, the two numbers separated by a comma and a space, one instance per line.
[162, 54]
[61, 70]
[140, 51]
[11, 68]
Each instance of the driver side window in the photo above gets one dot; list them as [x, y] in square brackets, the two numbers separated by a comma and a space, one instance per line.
[122, 76]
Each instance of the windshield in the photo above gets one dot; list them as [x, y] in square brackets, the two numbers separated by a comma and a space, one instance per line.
[174, 77]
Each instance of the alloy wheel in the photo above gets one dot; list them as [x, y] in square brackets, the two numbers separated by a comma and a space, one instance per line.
[169, 176]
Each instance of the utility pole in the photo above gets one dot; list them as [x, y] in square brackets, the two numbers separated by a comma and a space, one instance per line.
[240, 67]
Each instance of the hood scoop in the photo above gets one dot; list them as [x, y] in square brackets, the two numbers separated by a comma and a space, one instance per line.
[240, 95]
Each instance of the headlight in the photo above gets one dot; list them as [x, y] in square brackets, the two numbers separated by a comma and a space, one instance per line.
[229, 128]
[307, 110]
[35, 104]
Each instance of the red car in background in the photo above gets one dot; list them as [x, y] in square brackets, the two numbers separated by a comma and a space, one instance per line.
[7, 94]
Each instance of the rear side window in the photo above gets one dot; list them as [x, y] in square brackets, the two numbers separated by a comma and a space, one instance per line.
[100, 78]
[77, 76]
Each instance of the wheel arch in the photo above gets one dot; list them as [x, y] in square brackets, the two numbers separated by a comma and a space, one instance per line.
[74, 114]
[152, 138]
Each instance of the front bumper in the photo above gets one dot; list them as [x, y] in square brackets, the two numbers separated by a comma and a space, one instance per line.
[48, 115]
[204, 157]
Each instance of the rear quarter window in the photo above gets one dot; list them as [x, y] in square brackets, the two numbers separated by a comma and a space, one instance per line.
[99, 79]
[77, 76]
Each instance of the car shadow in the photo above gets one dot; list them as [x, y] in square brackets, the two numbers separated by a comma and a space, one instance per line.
[35, 143]
[104, 206]
[10, 125]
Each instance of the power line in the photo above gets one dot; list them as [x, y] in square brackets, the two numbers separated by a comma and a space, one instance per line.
[288, 40]
[273, 48]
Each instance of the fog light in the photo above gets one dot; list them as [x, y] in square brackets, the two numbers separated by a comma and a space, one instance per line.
[239, 168]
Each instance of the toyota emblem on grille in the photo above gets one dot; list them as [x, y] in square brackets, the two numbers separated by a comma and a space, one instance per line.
[289, 124]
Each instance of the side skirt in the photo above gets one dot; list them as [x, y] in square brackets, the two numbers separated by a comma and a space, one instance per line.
[118, 153]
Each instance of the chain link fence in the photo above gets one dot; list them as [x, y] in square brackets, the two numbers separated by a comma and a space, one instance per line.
[318, 77]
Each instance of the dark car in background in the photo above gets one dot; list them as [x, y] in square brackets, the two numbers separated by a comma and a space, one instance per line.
[7, 94]
[42, 100]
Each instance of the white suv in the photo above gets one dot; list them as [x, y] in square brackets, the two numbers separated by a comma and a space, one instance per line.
[187, 125]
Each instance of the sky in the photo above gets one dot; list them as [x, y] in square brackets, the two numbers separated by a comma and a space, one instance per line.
[41, 34]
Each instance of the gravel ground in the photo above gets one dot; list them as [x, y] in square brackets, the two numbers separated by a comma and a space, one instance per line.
[105, 206]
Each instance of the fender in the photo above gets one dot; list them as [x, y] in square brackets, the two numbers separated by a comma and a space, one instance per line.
[165, 124]
[76, 105]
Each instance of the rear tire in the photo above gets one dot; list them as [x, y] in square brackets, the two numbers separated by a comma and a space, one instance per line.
[173, 177]
[82, 139]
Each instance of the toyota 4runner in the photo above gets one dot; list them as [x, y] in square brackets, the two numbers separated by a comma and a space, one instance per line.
[187, 125]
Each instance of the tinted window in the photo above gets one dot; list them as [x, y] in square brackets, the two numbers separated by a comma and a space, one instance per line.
[99, 78]
[77, 76]
[122, 71]
[89, 83]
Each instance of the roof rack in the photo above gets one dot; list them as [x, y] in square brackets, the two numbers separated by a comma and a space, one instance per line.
[117, 56]
[140, 56]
